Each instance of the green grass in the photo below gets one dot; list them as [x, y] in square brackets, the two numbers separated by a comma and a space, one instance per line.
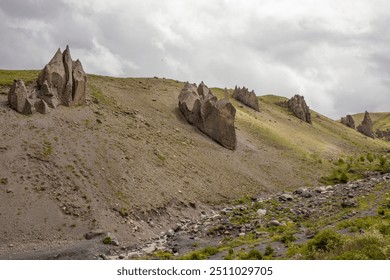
[98, 96]
[7, 77]
[202, 254]
[355, 167]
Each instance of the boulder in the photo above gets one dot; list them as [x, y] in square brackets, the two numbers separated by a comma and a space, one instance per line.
[246, 97]
[286, 197]
[212, 116]
[298, 106]
[79, 92]
[261, 212]
[274, 223]
[18, 98]
[41, 106]
[366, 126]
[189, 103]
[383, 134]
[348, 121]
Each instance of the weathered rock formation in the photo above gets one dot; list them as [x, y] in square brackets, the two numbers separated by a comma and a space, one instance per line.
[212, 116]
[348, 121]
[61, 82]
[298, 106]
[383, 134]
[247, 97]
[366, 126]
[19, 98]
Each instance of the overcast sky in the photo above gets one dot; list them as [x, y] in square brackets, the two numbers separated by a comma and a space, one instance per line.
[335, 53]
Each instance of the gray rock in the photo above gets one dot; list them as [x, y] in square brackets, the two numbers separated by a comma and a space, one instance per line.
[348, 121]
[62, 81]
[348, 203]
[321, 189]
[261, 212]
[298, 106]
[93, 234]
[246, 97]
[286, 197]
[366, 126]
[212, 116]
[18, 98]
[274, 223]
[303, 192]
[79, 91]
[150, 249]
[41, 106]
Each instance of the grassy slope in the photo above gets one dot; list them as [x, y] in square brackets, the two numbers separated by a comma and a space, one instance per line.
[131, 152]
[380, 121]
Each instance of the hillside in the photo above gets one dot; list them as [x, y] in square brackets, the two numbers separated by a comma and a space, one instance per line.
[129, 163]
[380, 121]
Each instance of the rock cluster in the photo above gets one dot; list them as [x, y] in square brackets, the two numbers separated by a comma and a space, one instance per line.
[366, 126]
[212, 116]
[278, 209]
[247, 97]
[383, 134]
[298, 106]
[61, 82]
[348, 121]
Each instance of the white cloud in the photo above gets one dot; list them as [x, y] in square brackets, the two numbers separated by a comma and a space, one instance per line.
[334, 52]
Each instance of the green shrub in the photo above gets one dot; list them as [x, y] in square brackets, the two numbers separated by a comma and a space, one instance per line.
[344, 177]
[107, 240]
[163, 255]
[269, 250]
[370, 157]
[252, 255]
[325, 241]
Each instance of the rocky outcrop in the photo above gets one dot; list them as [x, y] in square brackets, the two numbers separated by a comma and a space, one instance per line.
[298, 106]
[366, 127]
[247, 97]
[383, 134]
[212, 116]
[19, 98]
[61, 82]
[348, 121]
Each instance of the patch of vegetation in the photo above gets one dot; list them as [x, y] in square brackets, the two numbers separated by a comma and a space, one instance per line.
[107, 240]
[4, 181]
[201, 254]
[163, 255]
[324, 242]
[98, 96]
[45, 151]
[7, 77]
[353, 169]
[253, 254]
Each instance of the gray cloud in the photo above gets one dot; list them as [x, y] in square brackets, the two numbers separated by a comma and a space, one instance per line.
[333, 52]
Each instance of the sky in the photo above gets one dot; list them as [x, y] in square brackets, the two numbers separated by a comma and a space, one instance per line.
[334, 52]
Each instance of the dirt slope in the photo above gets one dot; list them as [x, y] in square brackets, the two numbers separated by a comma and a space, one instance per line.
[128, 162]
